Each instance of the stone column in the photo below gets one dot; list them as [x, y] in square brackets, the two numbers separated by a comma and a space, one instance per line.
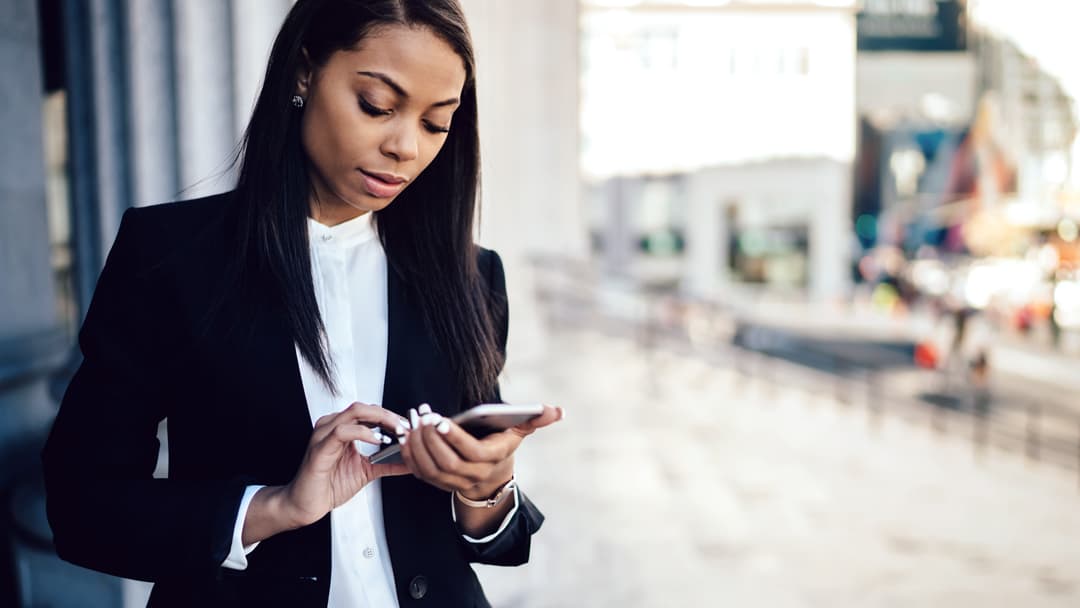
[255, 25]
[206, 125]
[109, 97]
[527, 56]
[152, 104]
[527, 63]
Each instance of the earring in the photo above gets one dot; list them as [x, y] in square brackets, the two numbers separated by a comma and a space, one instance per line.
[297, 101]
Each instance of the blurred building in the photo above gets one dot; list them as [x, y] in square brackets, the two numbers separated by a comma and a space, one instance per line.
[718, 140]
[916, 97]
[135, 102]
[1035, 119]
[965, 185]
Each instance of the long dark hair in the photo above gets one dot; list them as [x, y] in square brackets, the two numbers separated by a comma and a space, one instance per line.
[426, 232]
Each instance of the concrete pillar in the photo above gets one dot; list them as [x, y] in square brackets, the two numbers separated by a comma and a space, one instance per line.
[831, 236]
[527, 63]
[152, 103]
[255, 25]
[527, 56]
[108, 87]
[706, 239]
[206, 125]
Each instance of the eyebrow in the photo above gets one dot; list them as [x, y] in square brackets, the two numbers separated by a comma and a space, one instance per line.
[401, 92]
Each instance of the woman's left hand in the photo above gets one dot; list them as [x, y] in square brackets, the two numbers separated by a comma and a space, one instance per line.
[455, 460]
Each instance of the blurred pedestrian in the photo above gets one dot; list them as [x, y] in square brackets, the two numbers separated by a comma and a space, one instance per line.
[966, 366]
[286, 329]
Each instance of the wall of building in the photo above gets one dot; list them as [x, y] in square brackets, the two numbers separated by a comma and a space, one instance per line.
[752, 103]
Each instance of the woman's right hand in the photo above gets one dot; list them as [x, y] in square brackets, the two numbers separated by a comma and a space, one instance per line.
[333, 470]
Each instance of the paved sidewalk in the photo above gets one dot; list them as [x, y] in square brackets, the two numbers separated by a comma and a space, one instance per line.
[698, 490]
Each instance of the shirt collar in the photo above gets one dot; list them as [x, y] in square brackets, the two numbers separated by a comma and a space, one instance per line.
[350, 232]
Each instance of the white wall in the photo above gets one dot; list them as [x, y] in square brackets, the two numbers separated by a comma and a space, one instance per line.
[527, 58]
[668, 91]
[527, 63]
[898, 82]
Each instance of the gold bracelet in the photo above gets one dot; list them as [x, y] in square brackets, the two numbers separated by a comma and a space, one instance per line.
[494, 500]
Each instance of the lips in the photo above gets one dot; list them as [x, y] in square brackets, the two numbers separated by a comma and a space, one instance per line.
[382, 185]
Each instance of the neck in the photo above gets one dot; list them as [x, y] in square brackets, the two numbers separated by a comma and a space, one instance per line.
[330, 210]
[328, 215]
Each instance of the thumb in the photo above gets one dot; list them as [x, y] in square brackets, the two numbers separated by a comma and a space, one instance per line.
[550, 415]
[389, 469]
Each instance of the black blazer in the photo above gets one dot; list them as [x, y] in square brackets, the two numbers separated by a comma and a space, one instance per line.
[237, 415]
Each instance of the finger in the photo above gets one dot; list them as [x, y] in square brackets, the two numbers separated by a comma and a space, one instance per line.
[550, 415]
[324, 420]
[449, 461]
[347, 433]
[382, 418]
[325, 424]
[423, 466]
[357, 413]
[475, 450]
[429, 471]
[385, 469]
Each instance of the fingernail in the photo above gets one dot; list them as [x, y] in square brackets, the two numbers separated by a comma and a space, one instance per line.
[562, 414]
[403, 439]
[414, 418]
[400, 429]
[425, 408]
[444, 427]
[386, 440]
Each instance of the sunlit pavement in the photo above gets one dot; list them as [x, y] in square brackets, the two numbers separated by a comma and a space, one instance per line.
[699, 489]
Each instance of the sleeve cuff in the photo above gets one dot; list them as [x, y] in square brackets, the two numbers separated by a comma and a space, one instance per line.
[237, 558]
[505, 522]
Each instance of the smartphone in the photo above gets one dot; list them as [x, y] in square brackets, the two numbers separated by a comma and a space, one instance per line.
[479, 421]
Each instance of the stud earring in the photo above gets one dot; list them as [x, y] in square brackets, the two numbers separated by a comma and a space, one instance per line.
[297, 101]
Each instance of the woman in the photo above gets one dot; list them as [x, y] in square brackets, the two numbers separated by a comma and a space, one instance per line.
[289, 328]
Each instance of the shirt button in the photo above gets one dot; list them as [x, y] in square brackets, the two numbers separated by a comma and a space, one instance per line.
[369, 552]
[327, 237]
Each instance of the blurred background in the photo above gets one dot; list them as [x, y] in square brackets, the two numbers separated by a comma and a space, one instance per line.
[804, 274]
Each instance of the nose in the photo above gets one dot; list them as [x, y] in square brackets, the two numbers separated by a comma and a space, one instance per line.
[402, 144]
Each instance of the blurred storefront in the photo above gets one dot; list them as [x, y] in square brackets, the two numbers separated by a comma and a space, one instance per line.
[965, 195]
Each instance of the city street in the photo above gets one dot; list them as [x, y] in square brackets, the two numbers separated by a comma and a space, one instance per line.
[676, 483]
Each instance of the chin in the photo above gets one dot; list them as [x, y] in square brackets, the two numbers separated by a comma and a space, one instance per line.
[377, 204]
[359, 199]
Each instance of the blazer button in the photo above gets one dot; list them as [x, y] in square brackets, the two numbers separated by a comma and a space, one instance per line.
[418, 587]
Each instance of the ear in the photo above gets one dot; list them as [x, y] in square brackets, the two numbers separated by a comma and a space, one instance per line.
[303, 75]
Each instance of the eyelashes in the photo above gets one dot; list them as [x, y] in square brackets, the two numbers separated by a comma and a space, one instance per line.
[375, 111]
[371, 110]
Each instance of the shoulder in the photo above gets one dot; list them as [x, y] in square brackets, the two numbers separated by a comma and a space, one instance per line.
[179, 218]
[491, 268]
[156, 233]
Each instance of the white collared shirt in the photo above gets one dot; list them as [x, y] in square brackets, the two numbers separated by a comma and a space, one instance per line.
[349, 272]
